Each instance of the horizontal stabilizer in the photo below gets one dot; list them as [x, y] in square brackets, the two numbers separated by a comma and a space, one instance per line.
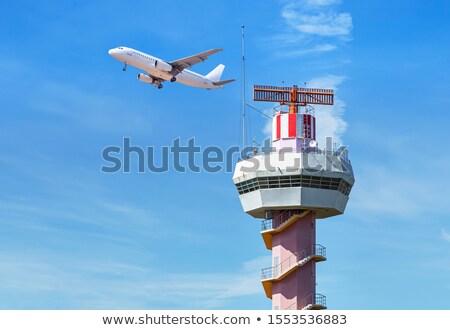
[187, 62]
[222, 82]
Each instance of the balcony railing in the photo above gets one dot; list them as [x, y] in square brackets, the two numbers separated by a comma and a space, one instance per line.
[309, 302]
[266, 224]
[279, 219]
[341, 152]
[319, 250]
[281, 268]
[293, 260]
[321, 300]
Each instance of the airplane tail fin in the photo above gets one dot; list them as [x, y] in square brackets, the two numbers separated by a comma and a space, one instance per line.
[216, 73]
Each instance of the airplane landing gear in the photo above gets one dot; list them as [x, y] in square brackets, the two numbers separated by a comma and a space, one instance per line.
[173, 79]
[125, 67]
[160, 86]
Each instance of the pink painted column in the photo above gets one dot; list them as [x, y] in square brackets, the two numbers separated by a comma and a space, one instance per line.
[298, 238]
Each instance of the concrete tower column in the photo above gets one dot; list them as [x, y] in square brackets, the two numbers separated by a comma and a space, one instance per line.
[296, 242]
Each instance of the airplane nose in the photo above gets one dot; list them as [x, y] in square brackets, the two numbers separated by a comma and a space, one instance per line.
[110, 52]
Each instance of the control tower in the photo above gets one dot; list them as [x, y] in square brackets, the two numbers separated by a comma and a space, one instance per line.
[289, 186]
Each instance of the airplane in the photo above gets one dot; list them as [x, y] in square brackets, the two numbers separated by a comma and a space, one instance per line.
[159, 70]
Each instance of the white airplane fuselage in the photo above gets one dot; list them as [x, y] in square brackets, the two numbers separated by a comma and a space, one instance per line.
[158, 68]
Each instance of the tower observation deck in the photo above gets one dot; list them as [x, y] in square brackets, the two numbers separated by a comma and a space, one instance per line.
[289, 187]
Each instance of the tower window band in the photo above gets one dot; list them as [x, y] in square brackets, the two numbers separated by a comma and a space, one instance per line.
[289, 181]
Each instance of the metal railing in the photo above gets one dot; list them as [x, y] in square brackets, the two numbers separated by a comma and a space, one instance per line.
[281, 268]
[315, 250]
[285, 215]
[319, 250]
[340, 152]
[279, 219]
[319, 300]
[266, 224]
[293, 260]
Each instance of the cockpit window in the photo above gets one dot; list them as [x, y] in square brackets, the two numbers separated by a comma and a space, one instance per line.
[120, 47]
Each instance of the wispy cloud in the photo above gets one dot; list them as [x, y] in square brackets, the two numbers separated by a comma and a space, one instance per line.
[322, 2]
[211, 290]
[330, 121]
[315, 27]
[312, 27]
[323, 24]
[119, 285]
[400, 191]
[445, 235]
[314, 50]
[317, 18]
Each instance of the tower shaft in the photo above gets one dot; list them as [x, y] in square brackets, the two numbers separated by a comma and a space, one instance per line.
[291, 281]
[295, 242]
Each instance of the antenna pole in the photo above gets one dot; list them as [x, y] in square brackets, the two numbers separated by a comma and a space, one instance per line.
[243, 90]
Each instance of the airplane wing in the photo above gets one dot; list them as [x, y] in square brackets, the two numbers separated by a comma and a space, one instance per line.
[187, 62]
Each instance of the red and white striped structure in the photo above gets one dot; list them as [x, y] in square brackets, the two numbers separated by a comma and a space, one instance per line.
[293, 125]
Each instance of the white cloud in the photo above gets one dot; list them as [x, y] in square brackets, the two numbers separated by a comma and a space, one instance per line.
[324, 23]
[329, 119]
[211, 290]
[317, 17]
[267, 129]
[399, 185]
[88, 284]
[313, 27]
[322, 2]
[314, 50]
[445, 235]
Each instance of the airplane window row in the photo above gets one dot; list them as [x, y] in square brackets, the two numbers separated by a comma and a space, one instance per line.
[142, 55]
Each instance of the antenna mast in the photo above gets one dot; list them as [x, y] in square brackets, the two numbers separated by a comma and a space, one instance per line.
[243, 89]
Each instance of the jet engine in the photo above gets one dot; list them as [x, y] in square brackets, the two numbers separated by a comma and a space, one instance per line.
[163, 66]
[145, 78]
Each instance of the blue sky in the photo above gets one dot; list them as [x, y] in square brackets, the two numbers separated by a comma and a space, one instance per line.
[75, 238]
